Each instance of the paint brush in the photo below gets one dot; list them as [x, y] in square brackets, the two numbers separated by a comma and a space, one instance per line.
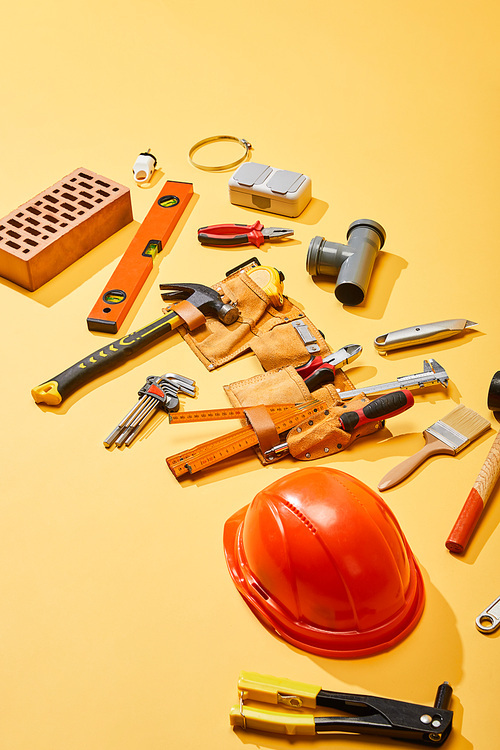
[449, 435]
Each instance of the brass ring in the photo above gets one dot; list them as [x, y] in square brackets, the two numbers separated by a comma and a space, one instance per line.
[213, 139]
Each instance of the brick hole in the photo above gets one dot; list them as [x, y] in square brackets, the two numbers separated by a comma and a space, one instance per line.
[86, 195]
[19, 215]
[45, 237]
[68, 216]
[73, 179]
[85, 204]
[115, 189]
[32, 221]
[64, 224]
[13, 244]
[56, 190]
[68, 187]
[33, 210]
[37, 203]
[2, 227]
[85, 185]
[103, 192]
[26, 250]
[104, 184]
[51, 208]
[51, 218]
[70, 197]
[15, 223]
[80, 213]
[50, 229]
[98, 200]
[68, 207]
[85, 176]
[32, 231]
[11, 233]
[30, 242]
[51, 199]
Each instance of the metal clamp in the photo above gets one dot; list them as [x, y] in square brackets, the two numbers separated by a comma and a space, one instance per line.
[308, 338]
[214, 139]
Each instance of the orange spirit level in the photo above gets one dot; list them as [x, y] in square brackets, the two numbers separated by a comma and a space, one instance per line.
[136, 264]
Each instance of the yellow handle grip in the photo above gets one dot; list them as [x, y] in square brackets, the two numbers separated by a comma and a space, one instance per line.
[267, 720]
[266, 689]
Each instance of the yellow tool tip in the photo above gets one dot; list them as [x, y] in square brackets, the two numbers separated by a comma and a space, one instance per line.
[47, 393]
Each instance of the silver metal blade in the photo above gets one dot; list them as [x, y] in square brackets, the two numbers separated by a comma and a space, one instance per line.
[343, 356]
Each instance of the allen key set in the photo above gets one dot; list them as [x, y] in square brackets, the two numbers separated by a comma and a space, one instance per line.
[159, 392]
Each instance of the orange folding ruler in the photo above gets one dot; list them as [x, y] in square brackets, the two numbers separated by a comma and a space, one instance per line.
[284, 417]
[136, 264]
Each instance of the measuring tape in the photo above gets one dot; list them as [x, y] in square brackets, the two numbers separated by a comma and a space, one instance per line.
[211, 452]
[136, 264]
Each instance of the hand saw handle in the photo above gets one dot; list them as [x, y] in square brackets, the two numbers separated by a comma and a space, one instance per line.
[54, 391]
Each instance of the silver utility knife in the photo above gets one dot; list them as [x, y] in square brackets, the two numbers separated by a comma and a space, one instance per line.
[421, 334]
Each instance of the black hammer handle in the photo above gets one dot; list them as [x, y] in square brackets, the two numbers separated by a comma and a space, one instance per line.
[54, 391]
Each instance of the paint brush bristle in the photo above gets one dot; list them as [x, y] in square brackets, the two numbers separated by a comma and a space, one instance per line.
[458, 428]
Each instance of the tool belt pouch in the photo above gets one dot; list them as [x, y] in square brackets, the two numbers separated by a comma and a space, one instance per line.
[261, 328]
[319, 436]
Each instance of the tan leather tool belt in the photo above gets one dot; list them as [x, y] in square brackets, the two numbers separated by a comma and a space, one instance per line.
[262, 328]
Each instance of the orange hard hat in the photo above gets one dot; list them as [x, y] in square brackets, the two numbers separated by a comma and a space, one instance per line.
[322, 560]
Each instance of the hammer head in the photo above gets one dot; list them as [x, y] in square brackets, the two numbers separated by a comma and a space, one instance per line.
[206, 299]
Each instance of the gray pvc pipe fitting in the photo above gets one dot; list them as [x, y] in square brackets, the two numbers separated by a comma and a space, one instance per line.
[351, 263]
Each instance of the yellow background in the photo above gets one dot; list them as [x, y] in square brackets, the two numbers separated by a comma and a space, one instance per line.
[120, 628]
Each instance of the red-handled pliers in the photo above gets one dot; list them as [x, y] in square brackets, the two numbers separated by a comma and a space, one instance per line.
[232, 235]
[329, 363]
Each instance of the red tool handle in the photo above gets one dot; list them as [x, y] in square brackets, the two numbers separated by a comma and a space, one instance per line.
[383, 407]
[312, 365]
[474, 505]
[232, 235]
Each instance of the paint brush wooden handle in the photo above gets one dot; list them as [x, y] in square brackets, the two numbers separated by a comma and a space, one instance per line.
[432, 446]
[476, 501]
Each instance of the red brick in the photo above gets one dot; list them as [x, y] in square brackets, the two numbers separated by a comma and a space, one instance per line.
[45, 235]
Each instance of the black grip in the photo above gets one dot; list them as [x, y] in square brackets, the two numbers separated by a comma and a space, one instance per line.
[382, 407]
[106, 358]
[320, 377]
[221, 240]
[385, 405]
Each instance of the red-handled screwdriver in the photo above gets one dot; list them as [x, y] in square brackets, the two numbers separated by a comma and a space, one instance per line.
[383, 407]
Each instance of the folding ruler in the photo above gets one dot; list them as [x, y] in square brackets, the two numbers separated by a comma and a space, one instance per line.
[284, 416]
[136, 264]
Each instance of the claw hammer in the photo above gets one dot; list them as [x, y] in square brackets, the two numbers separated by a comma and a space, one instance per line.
[196, 302]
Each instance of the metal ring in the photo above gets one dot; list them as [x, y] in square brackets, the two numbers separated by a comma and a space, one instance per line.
[213, 139]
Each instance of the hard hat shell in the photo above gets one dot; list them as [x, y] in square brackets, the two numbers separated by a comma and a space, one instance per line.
[322, 560]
